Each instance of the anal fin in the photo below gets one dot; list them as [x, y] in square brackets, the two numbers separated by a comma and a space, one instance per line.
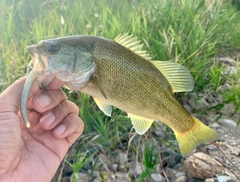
[140, 124]
[107, 109]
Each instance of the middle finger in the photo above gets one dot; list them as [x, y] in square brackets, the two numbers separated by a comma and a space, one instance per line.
[47, 100]
[52, 118]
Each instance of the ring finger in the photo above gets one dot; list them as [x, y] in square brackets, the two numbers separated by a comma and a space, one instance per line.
[52, 118]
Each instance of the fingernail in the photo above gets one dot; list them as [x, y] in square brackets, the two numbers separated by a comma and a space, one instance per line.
[48, 119]
[60, 129]
[43, 100]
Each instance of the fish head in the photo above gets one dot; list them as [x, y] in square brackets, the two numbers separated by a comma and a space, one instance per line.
[67, 58]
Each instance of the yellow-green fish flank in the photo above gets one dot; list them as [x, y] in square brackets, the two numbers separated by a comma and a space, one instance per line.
[118, 73]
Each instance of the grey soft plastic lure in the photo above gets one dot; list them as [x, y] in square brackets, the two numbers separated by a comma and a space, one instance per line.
[25, 95]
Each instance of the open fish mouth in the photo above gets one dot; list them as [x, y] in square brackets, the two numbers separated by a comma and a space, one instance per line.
[40, 65]
[39, 62]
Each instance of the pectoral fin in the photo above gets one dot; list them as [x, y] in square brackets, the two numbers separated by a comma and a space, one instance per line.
[107, 109]
[177, 75]
[140, 124]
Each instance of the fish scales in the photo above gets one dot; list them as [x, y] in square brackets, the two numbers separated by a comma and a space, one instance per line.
[128, 73]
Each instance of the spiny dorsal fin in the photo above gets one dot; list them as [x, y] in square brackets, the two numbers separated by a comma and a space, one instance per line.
[133, 44]
[177, 75]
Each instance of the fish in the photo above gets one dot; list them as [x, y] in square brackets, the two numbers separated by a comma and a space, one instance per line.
[119, 73]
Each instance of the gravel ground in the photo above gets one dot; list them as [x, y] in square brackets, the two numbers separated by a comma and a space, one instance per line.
[216, 162]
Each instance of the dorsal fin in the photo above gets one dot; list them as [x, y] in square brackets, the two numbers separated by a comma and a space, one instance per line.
[177, 75]
[133, 44]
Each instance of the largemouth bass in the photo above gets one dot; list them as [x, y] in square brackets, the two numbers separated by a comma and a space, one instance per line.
[118, 73]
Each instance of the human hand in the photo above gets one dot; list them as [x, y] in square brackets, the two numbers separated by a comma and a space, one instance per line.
[34, 154]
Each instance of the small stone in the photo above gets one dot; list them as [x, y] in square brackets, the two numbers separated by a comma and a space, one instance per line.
[157, 178]
[115, 166]
[95, 174]
[178, 165]
[226, 61]
[171, 157]
[216, 125]
[235, 151]
[136, 168]
[209, 180]
[202, 166]
[228, 123]
[228, 86]
[231, 70]
[122, 168]
[212, 148]
[225, 179]
[180, 174]
[181, 179]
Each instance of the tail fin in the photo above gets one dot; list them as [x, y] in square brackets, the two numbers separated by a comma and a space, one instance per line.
[199, 133]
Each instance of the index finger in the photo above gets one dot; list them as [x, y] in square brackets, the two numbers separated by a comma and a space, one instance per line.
[55, 84]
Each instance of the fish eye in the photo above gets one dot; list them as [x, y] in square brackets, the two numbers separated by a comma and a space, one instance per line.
[53, 48]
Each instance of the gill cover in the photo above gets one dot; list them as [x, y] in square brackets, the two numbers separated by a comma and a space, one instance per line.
[72, 64]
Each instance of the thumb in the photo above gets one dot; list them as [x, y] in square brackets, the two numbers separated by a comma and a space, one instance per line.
[10, 98]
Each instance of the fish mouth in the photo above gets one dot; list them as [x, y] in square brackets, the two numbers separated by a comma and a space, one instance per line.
[39, 62]
[32, 49]
[40, 65]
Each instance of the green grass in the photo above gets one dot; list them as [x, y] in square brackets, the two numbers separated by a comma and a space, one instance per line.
[191, 32]
[150, 161]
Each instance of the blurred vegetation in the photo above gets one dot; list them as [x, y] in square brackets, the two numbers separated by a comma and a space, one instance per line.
[192, 32]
